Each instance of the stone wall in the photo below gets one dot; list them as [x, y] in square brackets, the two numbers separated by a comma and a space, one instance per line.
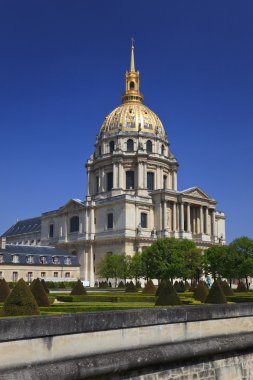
[200, 342]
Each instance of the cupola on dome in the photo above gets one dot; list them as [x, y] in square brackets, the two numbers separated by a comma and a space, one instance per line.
[132, 115]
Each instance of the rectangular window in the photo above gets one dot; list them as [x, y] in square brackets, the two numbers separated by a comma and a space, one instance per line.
[110, 220]
[144, 220]
[150, 180]
[165, 182]
[15, 276]
[55, 274]
[109, 181]
[67, 274]
[29, 276]
[97, 184]
[43, 274]
[51, 230]
[130, 179]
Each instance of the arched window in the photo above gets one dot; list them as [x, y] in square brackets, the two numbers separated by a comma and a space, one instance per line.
[74, 224]
[150, 180]
[130, 145]
[130, 179]
[111, 146]
[131, 85]
[162, 150]
[149, 146]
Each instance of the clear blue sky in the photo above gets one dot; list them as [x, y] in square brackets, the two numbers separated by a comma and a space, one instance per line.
[62, 66]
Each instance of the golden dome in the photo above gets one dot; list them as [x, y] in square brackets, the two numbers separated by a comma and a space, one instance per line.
[132, 115]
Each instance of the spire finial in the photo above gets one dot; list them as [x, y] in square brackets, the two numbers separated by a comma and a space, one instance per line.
[132, 66]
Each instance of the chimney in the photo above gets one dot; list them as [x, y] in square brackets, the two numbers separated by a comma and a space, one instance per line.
[2, 242]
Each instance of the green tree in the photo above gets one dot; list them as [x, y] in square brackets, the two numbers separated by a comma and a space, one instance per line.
[111, 267]
[136, 267]
[215, 259]
[242, 251]
[194, 261]
[125, 267]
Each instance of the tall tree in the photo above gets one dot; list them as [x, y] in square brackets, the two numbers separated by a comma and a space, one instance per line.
[242, 249]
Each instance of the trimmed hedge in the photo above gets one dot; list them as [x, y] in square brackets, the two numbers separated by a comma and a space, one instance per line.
[104, 298]
[43, 283]
[201, 292]
[20, 302]
[149, 288]
[160, 287]
[78, 289]
[39, 293]
[216, 295]
[168, 296]
[131, 288]
[4, 290]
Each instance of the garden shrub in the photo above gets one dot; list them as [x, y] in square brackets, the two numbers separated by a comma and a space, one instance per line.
[39, 293]
[103, 284]
[4, 290]
[226, 288]
[216, 295]
[121, 284]
[65, 298]
[43, 283]
[241, 287]
[130, 287]
[160, 286]
[20, 301]
[201, 292]
[168, 296]
[149, 288]
[138, 285]
[78, 289]
[193, 286]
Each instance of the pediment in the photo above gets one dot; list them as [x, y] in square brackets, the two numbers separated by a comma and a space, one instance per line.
[72, 205]
[196, 192]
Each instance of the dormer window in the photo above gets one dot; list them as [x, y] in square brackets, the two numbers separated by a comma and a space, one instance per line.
[30, 259]
[43, 259]
[67, 261]
[56, 260]
[15, 259]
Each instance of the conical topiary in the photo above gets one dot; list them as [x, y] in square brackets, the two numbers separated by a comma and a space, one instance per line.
[159, 288]
[168, 296]
[121, 284]
[130, 287]
[193, 286]
[39, 293]
[20, 301]
[78, 289]
[149, 288]
[201, 292]
[4, 290]
[138, 285]
[226, 288]
[241, 287]
[216, 294]
[44, 284]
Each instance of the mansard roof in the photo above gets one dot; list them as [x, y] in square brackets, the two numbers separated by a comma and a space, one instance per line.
[23, 251]
[25, 226]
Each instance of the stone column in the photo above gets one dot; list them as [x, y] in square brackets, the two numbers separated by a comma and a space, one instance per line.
[157, 178]
[115, 179]
[174, 216]
[174, 180]
[213, 223]
[145, 175]
[206, 220]
[201, 219]
[181, 217]
[88, 182]
[164, 215]
[120, 179]
[86, 266]
[102, 182]
[140, 175]
[92, 225]
[65, 228]
[91, 268]
[161, 178]
[188, 217]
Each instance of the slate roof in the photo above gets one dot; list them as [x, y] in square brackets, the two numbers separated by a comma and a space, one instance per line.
[26, 226]
[23, 251]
